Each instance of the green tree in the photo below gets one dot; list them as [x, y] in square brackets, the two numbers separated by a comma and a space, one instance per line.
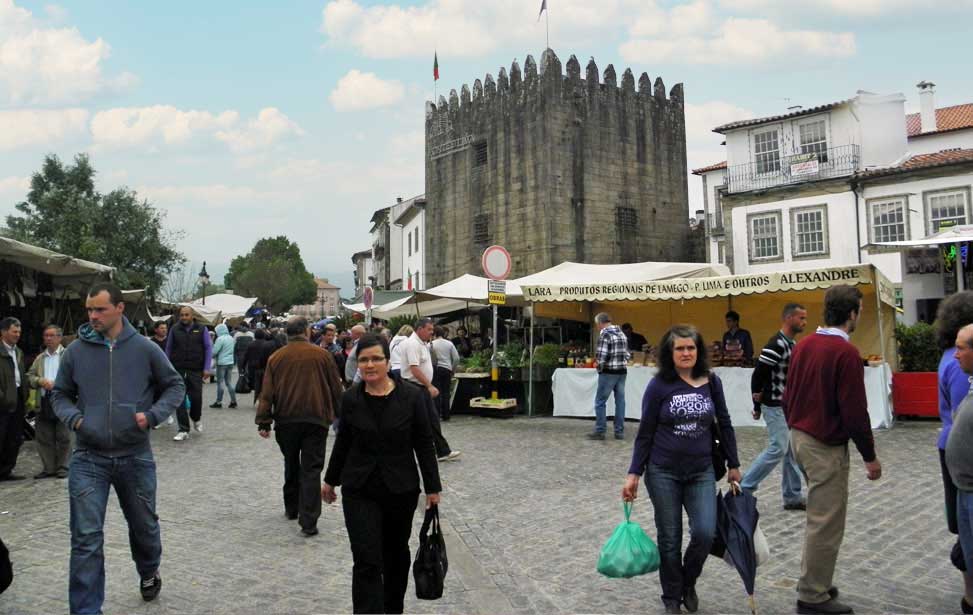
[274, 272]
[63, 212]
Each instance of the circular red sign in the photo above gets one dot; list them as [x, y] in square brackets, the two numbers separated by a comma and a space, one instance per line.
[496, 263]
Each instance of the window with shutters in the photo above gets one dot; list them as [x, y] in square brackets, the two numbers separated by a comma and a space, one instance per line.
[888, 219]
[480, 154]
[809, 231]
[765, 236]
[481, 229]
[766, 148]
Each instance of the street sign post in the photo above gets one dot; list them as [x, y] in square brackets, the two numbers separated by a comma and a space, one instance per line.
[496, 263]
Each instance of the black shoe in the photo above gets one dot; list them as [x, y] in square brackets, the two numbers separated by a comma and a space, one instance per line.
[619, 436]
[41, 475]
[801, 505]
[690, 599]
[290, 515]
[12, 477]
[833, 592]
[150, 588]
[828, 607]
[62, 473]
[309, 531]
[965, 606]
[595, 436]
[216, 405]
[672, 606]
[232, 404]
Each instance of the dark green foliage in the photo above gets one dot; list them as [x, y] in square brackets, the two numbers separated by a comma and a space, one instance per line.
[273, 272]
[918, 349]
[63, 212]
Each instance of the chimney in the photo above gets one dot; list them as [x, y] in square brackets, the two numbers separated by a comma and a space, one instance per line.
[398, 199]
[927, 106]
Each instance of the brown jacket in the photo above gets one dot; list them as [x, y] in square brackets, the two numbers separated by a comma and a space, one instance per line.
[301, 385]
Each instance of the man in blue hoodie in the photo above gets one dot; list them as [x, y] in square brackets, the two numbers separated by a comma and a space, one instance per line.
[112, 387]
[223, 357]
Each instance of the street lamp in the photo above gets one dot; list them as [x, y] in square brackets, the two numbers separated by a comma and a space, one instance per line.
[203, 281]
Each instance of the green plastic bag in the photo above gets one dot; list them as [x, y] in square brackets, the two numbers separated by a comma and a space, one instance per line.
[629, 552]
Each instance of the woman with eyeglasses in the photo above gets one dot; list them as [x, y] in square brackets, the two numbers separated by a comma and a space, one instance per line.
[384, 430]
[674, 450]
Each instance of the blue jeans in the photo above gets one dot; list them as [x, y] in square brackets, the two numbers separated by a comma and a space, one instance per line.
[671, 490]
[133, 478]
[224, 374]
[606, 384]
[964, 518]
[778, 449]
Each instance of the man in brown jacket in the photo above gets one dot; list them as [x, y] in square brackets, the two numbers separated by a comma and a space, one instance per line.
[300, 393]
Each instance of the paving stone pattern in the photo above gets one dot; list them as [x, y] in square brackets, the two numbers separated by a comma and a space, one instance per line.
[526, 509]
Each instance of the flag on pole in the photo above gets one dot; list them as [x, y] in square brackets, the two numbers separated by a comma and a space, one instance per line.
[409, 275]
[543, 8]
[435, 65]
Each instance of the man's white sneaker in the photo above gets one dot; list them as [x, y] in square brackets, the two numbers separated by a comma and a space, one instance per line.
[453, 455]
[198, 426]
[182, 435]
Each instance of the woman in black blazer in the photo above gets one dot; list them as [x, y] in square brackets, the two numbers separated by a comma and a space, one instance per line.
[384, 429]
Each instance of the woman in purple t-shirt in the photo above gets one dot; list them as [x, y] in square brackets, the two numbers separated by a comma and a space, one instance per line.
[674, 447]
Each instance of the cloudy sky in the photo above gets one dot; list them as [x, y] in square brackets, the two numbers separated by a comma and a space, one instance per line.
[243, 119]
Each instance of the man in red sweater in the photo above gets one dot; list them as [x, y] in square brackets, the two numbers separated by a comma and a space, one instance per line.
[825, 406]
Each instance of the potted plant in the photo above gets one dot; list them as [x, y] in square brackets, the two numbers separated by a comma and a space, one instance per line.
[915, 388]
[510, 360]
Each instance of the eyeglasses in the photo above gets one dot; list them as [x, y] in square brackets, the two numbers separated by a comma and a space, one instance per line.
[371, 360]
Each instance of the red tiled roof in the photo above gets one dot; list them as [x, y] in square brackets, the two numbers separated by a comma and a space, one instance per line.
[925, 161]
[947, 118]
[712, 167]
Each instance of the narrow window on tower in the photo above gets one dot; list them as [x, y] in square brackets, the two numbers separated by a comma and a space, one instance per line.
[480, 154]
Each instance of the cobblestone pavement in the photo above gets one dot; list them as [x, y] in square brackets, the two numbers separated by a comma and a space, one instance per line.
[526, 510]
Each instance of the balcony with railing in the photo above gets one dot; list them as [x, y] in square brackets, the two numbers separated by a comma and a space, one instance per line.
[773, 171]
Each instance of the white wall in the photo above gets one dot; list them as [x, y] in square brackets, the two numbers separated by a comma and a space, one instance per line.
[416, 261]
[711, 181]
[914, 190]
[883, 136]
[938, 142]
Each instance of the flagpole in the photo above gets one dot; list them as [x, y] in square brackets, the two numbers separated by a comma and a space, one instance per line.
[547, 22]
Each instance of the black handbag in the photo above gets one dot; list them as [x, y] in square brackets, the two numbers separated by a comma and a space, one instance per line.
[430, 566]
[719, 458]
[242, 384]
[6, 568]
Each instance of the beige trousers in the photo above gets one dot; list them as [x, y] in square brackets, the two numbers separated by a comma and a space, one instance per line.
[826, 467]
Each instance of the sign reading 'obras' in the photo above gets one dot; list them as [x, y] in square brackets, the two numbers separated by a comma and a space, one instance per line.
[700, 288]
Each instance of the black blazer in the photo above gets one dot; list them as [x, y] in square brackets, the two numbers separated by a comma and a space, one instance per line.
[401, 437]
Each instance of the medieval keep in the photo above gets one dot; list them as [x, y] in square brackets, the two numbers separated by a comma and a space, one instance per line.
[556, 168]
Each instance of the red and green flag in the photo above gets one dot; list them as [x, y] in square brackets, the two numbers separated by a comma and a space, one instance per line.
[435, 66]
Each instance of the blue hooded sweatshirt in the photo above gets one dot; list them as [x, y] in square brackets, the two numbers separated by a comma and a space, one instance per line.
[223, 348]
[108, 384]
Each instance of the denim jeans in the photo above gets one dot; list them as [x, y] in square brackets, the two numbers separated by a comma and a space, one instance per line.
[607, 383]
[671, 490]
[224, 375]
[778, 449]
[964, 518]
[91, 476]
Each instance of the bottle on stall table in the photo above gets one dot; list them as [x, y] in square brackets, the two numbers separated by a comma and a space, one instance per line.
[570, 359]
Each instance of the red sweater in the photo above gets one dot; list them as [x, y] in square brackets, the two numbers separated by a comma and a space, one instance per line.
[825, 393]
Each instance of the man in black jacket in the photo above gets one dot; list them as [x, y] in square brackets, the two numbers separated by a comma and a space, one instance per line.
[190, 349]
[13, 397]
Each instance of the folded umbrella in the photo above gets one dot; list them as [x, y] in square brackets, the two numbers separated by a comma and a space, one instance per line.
[736, 522]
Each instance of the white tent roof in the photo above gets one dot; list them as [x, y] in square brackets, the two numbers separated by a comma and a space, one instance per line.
[466, 287]
[51, 263]
[221, 305]
[953, 234]
[433, 307]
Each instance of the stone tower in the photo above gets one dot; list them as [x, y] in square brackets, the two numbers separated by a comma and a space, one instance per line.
[555, 167]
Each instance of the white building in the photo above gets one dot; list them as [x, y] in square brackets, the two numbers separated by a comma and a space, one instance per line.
[817, 187]
[411, 220]
[326, 303]
[364, 271]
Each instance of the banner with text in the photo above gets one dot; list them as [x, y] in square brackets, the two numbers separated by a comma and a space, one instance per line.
[703, 288]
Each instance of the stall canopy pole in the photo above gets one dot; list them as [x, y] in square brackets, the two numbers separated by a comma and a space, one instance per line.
[530, 368]
[960, 273]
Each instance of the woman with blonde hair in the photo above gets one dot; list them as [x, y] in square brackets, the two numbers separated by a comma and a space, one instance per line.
[395, 348]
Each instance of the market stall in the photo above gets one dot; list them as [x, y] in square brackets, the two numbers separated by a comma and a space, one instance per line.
[220, 307]
[652, 306]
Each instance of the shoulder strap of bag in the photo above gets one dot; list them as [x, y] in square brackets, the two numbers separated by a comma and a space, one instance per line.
[716, 420]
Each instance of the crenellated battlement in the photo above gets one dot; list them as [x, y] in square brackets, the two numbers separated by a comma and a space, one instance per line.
[546, 83]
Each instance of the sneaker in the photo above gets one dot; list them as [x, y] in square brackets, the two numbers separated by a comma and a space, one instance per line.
[232, 404]
[198, 426]
[62, 473]
[828, 607]
[690, 599]
[182, 435]
[168, 421]
[43, 474]
[216, 405]
[453, 455]
[150, 588]
[619, 436]
[309, 531]
[595, 436]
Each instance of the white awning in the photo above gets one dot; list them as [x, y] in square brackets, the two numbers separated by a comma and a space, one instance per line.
[954, 234]
[433, 307]
[220, 306]
[51, 263]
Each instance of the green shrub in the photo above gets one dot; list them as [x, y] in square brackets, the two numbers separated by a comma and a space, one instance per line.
[547, 355]
[511, 354]
[918, 351]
